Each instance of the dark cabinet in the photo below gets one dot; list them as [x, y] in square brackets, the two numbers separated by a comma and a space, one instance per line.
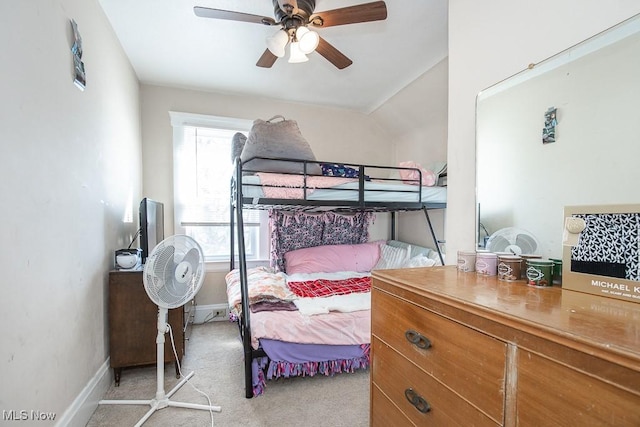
[133, 319]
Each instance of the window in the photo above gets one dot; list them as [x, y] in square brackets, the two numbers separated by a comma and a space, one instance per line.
[202, 174]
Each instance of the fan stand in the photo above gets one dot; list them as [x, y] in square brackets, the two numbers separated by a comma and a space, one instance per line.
[162, 399]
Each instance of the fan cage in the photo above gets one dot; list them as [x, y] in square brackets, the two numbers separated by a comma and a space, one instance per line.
[514, 240]
[175, 253]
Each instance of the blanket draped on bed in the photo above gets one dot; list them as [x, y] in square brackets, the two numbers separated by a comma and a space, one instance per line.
[319, 288]
[283, 186]
[297, 230]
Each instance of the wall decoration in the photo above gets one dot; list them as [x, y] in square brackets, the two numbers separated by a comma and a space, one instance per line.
[79, 78]
[550, 122]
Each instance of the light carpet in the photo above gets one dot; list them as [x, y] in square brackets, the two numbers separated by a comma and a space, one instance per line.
[214, 353]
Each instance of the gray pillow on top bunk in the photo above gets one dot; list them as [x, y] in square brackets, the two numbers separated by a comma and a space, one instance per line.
[278, 139]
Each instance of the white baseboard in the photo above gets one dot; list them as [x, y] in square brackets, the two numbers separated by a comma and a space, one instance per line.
[207, 313]
[80, 411]
[84, 405]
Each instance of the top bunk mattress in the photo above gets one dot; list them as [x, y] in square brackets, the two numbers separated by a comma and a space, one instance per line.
[374, 191]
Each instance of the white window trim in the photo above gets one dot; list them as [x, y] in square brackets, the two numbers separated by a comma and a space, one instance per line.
[192, 119]
[182, 119]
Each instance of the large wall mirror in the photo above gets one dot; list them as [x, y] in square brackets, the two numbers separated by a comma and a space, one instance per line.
[563, 132]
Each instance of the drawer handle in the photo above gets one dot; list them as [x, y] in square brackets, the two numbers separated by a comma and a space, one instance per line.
[417, 339]
[416, 400]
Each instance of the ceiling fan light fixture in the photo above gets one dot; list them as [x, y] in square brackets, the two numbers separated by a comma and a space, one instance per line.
[297, 19]
[295, 54]
[277, 42]
[308, 39]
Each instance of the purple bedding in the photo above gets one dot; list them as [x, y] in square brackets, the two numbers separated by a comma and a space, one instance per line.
[293, 359]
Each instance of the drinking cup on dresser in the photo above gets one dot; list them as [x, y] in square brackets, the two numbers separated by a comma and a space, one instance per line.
[509, 267]
[486, 263]
[523, 268]
[466, 261]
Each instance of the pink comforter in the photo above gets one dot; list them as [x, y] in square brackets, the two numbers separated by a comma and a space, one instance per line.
[332, 328]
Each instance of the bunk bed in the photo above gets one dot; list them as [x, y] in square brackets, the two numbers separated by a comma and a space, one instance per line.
[365, 188]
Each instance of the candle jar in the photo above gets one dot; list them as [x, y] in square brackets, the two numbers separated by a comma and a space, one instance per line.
[557, 271]
[509, 267]
[539, 272]
[486, 263]
[466, 261]
[523, 269]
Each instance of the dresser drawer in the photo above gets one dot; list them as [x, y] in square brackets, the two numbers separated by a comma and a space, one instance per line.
[386, 414]
[552, 394]
[394, 375]
[469, 362]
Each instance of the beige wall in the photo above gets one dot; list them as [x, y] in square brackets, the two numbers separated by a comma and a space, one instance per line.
[416, 119]
[488, 42]
[69, 163]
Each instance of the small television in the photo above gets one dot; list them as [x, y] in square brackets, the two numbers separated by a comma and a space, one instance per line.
[151, 226]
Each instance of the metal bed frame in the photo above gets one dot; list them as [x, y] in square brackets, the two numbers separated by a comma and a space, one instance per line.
[239, 202]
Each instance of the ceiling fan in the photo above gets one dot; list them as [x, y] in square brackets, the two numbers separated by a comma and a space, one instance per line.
[295, 17]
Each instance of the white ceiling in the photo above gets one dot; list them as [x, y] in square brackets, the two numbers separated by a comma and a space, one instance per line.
[169, 45]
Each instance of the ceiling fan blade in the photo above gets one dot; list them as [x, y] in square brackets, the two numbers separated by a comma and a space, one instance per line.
[332, 54]
[267, 59]
[205, 12]
[367, 12]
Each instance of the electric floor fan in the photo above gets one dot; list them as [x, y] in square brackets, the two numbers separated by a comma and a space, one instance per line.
[173, 274]
[513, 240]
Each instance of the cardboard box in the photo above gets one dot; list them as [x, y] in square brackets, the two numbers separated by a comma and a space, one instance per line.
[601, 251]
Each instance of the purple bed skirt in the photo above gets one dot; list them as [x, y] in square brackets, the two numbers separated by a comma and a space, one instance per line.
[292, 360]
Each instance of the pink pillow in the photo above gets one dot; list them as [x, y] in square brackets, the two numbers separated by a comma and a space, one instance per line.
[428, 177]
[332, 258]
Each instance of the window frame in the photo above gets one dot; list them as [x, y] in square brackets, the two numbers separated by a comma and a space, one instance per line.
[180, 120]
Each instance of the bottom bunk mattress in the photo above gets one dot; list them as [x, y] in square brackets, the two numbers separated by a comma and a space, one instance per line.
[306, 345]
[333, 328]
[301, 335]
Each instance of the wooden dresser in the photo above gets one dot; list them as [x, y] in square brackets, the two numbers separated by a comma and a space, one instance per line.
[133, 324]
[452, 348]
